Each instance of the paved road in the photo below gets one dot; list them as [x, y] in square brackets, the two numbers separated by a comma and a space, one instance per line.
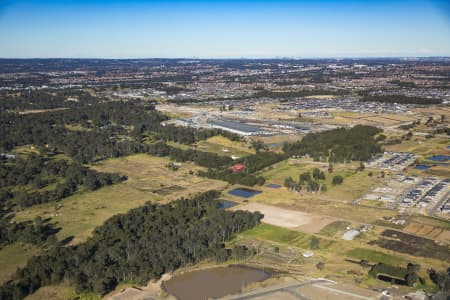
[344, 292]
[438, 205]
[290, 288]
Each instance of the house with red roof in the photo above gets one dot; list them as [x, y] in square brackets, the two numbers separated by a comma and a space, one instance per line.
[238, 168]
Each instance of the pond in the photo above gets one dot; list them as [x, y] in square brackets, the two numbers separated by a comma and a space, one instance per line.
[422, 167]
[273, 186]
[224, 204]
[244, 192]
[438, 158]
[274, 145]
[214, 282]
[391, 279]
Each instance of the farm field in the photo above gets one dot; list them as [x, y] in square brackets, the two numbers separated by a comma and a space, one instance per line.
[341, 258]
[429, 231]
[284, 236]
[411, 244]
[375, 256]
[148, 180]
[431, 221]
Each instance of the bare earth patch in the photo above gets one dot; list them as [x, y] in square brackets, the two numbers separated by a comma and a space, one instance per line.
[429, 231]
[288, 218]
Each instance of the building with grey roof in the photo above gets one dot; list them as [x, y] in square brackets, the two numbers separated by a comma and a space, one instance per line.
[238, 128]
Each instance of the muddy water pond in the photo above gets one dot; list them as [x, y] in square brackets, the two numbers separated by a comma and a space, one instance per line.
[214, 282]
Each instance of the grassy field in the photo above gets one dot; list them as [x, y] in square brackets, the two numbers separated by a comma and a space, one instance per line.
[336, 201]
[278, 140]
[332, 229]
[149, 174]
[355, 184]
[425, 148]
[373, 256]
[284, 236]
[351, 118]
[56, 292]
[220, 145]
[14, 256]
[436, 170]
[422, 146]
[77, 215]
[148, 180]
[317, 204]
[217, 144]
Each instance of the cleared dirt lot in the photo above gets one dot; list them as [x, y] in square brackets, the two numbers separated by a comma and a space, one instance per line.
[429, 231]
[288, 218]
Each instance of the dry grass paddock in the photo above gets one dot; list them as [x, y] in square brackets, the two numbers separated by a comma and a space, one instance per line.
[148, 180]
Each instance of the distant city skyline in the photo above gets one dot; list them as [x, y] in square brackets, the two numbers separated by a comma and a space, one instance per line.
[223, 29]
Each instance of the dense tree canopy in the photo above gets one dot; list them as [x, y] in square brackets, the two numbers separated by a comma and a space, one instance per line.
[137, 246]
[36, 180]
[90, 133]
[338, 145]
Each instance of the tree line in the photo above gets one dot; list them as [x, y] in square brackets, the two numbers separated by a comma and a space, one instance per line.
[138, 246]
[45, 99]
[36, 180]
[312, 183]
[407, 276]
[253, 163]
[338, 145]
[36, 232]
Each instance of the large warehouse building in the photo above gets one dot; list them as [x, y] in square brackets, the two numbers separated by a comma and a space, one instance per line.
[239, 128]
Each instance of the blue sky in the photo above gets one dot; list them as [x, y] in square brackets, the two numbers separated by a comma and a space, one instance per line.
[129, 29]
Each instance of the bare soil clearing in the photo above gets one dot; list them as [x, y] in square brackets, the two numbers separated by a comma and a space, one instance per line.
[429, 231]
[288, 218]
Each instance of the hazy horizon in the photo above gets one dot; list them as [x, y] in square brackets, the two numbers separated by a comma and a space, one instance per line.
[224, 29]
[237, 58]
